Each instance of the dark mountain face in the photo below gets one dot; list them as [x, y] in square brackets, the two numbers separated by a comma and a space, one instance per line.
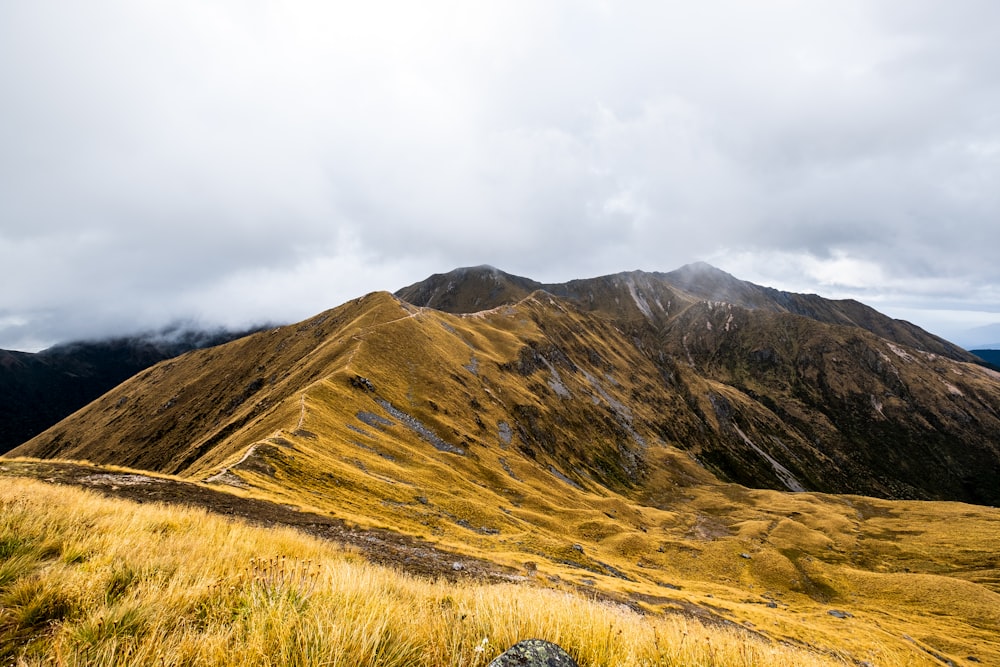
[657, 297]
[468, 290]
[991, 357]
[37, 390]
[838, 396]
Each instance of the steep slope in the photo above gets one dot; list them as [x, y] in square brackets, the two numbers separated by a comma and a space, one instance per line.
[811, 393]
[171, 415]
[39, 389]
[659, 296]
[442, 380]
[863, 414]
[709, 283]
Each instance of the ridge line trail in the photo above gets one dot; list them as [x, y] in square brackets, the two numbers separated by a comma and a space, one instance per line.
[359, 337]
[217, 477]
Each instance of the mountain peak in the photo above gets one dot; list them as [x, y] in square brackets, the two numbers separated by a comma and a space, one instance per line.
[706, 281]
[468, 289]
[481, 269]
[703, 269]
[658, 297]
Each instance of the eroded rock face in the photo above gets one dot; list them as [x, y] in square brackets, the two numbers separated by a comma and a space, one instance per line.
[534, 653]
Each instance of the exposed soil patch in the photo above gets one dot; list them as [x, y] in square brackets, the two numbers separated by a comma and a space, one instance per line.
[383, 547]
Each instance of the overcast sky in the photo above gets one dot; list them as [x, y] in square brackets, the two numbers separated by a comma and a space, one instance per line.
[233, 161]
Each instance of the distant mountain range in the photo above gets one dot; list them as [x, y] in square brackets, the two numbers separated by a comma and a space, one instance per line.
[990, 356]
[39, 389]
[609, 382]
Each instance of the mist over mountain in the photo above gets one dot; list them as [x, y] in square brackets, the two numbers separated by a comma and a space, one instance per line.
[39, 389]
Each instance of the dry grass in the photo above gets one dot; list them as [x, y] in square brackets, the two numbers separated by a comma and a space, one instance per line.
[919, 579]
[86, 580]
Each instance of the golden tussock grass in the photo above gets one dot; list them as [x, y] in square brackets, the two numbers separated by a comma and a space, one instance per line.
[919, 579]
[86, 580]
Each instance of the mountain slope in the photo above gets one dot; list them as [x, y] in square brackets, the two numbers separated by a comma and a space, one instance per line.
[467, 290]
[39, 389]
[708, 283]
[839, 397]
[658, 296]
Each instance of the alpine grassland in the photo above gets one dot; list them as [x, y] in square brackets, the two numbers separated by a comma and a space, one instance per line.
[637, 474]
[87, 580]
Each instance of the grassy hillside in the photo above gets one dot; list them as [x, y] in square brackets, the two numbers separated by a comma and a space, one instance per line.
[764, 399]
[90, 581]
[852, 577]
[583, 453]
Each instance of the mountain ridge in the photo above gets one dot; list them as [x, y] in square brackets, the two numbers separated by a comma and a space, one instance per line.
[627, 437]
[452, 291]
[760, 395]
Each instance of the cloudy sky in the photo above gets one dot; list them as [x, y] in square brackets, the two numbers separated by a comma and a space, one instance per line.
[234, 161]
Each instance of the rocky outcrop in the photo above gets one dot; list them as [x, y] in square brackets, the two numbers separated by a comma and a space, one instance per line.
[534, 653]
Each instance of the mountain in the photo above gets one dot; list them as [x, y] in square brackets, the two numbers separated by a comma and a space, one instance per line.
[990, 356]
[39, 389]
[603, 380]
[667, 441]
[467, 290]
[840, 397]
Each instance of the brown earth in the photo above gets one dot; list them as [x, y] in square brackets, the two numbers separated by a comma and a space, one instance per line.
[383, 547]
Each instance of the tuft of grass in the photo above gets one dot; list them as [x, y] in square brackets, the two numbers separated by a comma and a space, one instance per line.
[29, 608]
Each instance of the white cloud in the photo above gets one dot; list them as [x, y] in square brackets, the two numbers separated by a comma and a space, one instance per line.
[178, 154]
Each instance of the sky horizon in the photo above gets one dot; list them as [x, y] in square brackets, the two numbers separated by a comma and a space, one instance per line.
[227, 163]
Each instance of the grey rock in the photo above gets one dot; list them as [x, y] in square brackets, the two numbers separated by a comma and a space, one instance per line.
[836, 613]
[505, 432]
[362, 383]
[419, 428]
[534, 653]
